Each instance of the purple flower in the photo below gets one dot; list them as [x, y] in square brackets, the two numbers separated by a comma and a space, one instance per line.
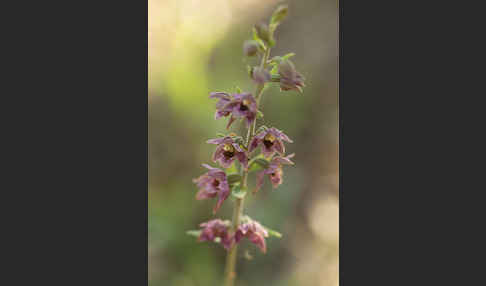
[238, 105]
[289, 77]
[271, 141]
[227, 151]
[254, 232]
[213, 184]
[217, 228]
[274, 171]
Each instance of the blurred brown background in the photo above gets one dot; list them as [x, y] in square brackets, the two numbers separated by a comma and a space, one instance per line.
[195, 47]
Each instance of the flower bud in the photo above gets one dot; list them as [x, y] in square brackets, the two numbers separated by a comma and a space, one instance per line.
[250, 48]
[289, 77]
[261, 75]
[279, 14]
[263, 32]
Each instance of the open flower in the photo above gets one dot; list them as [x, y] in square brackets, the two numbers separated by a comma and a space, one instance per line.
[289, 77]
[227, 151]
[254, 232]
[274, 171]
[217, 228]
[238, 105]
[213, 184]
[271, 140]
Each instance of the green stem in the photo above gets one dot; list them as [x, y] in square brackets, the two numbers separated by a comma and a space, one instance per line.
[230, 273]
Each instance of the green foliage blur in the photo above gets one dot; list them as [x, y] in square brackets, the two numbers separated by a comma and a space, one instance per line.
[195, 47]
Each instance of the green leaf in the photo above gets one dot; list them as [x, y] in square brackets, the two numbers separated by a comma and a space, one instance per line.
[234, 178]
[287, 56]
[272, 232]
[249, 70]
[275, 78]
[238, 89]
[261, 129]
[259, 114]
[219, 134]
[257, 164]
[275, 60]
[238, 192]
[274, 71]
[279, 14]
[195, 233]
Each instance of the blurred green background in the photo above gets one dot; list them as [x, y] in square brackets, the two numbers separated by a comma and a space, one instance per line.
[195, 47]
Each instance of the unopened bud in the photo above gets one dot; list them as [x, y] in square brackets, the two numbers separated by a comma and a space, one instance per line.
[250, 48]
[261, 75]
[263, 32]
[279, 14]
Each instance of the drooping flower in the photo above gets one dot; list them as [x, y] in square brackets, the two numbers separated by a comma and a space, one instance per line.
[224, 99]
[227, 151]
[289, 77]
[271, 141]
[217, 228]
[274, 171]
[254, 232]
[241, 105]
[213, 184]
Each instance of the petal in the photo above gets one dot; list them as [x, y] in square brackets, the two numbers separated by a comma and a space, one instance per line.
[230, 121]
[209, 167]
[259, 180]
[220, 95]
[222, 196]
[276, 179]
[281, 135]
[203, 194]
[259, 241]
[215, 141]
[243, 159]
[267, 152]
[249, 119]
[261, 134]
[237, 147]
[218, 153]
[225, 161]
[254, 144]
[283, 160]
[279, 146]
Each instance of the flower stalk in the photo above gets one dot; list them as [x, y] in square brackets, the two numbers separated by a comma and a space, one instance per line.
[230, 274]
[232, 149]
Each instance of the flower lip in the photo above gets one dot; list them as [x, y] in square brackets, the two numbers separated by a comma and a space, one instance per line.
[228, 148]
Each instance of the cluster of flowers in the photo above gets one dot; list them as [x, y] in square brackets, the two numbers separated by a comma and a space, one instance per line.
[217, 183]
[218, 230]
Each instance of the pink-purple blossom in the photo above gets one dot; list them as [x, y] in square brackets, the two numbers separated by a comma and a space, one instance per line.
[238, 105]
[271, 141]
[227, 151]
[254, 232]
[217, 228]
[213, 184]
[274, 171]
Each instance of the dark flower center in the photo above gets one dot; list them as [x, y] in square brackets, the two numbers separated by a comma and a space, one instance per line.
[215, 183]
[268, 140]
[244, 105]
[229, 150]
[228, 154]
[273, 174]
[267, 143]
